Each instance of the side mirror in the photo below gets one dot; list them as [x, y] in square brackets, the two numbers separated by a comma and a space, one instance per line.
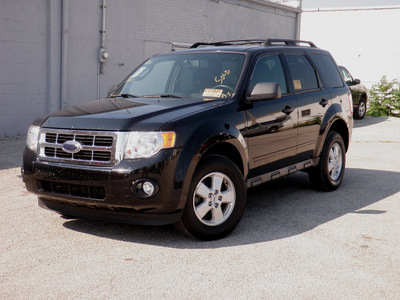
[357, 81]
[111, 89]
[265, 91]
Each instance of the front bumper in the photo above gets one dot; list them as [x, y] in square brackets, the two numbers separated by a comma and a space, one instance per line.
[108, 193]
[121, 215]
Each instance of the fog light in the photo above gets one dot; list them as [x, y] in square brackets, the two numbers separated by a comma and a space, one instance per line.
[148, 188]
[145, 188]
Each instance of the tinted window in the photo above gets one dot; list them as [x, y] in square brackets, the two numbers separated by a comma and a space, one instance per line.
[347, 76]
[328, 70]
[303, 73]
[269, 69]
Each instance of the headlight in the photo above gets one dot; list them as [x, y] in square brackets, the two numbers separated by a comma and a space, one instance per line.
[32, 137]
[143, 144]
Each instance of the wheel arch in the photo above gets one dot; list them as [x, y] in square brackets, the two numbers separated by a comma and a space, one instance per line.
[340, 127]
[364, 95]
[335, 120]
[218, 139]
[227, 150]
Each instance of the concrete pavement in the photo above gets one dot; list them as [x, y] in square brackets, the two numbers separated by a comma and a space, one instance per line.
[293, 242]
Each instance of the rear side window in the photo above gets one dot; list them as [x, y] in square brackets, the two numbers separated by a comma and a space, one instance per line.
[303, 74]
[328, 70]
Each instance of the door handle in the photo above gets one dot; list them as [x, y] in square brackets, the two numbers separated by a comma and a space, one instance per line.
[288, 110]
[324, 102]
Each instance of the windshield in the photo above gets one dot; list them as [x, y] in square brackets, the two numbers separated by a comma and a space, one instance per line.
[202, 76]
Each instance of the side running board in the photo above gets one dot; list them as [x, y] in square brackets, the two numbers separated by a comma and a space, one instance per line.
[252, 182]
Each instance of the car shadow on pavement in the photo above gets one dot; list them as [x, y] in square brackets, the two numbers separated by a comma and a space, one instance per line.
[368, 121]
[276, 210]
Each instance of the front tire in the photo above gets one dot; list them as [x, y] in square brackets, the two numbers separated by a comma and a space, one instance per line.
[328, 175]
[216, 200]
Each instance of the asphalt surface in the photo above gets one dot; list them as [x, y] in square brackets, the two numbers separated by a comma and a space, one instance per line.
[292, 243]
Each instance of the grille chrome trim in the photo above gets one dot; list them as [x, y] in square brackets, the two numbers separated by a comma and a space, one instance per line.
[98, 148]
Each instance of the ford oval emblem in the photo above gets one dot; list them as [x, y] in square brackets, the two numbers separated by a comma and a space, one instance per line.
[71, 146]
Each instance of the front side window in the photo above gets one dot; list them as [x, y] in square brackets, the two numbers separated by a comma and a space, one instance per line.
[201, 76]
[303, 74]
[347, 76]
[269, 69]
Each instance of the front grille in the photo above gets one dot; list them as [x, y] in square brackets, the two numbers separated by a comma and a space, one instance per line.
[96, 147]
[75, 190]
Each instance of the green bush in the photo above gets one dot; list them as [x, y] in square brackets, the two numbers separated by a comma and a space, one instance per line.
[384, 99]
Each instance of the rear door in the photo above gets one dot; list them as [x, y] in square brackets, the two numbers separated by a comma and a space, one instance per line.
[313, 101]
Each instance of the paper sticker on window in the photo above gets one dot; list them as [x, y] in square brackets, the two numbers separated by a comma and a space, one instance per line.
[212, 93]
[297, 84]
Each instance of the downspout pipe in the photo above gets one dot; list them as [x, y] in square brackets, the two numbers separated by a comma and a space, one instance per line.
[64, 54]
[298, 21]
[103, 24]
[103, 54]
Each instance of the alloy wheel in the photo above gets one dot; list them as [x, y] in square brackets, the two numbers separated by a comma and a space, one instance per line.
[335, 162]
[214, 199]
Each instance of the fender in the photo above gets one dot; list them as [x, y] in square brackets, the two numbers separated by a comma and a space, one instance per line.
[334, 114]
[203, 139]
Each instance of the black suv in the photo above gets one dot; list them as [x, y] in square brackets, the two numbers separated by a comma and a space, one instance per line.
[186, 133]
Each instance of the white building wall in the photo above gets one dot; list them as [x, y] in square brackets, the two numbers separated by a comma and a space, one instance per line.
[23, 49]
[50, 47]
[366, 41]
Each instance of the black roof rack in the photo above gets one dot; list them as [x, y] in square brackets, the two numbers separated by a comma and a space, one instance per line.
[230, 43]
[273, 42]
[263, 42]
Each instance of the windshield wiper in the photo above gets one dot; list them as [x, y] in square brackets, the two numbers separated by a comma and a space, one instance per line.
[123, 96]
[162, 96]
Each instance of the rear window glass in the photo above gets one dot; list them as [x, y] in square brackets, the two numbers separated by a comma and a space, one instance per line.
[303, 73]
[328, 70]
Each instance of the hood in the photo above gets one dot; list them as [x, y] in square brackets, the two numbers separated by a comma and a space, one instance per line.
[119, 114]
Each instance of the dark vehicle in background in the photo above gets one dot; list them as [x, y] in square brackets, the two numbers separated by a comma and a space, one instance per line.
[358, 92]
[181, 139]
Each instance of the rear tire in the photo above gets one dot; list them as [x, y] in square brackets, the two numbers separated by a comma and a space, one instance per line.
[216, 200]
[328, 175]
[361, 110]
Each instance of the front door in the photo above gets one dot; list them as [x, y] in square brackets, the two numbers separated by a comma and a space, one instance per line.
[271, 125]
